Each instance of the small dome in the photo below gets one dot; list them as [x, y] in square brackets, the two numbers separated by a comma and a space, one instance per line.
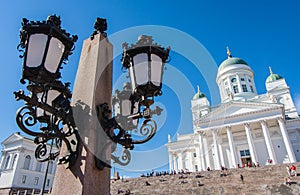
[198, 95]
[231, 61]
[273, 77]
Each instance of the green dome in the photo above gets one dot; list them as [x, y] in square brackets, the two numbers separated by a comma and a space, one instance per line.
[231, 61]
[198, 95]
[273, 77]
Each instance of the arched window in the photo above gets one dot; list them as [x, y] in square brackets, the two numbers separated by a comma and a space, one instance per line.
[27, 162]
[233, 80]
[7, 162]
[50, 168]
[14, 161]
[38, 166]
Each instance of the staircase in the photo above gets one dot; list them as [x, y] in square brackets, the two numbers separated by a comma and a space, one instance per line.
[266, 180]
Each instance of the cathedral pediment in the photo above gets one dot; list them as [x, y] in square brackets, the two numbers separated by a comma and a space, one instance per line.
[13, 138]
[235, 111]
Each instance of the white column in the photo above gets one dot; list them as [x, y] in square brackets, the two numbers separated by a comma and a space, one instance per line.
[171, 161]
[175, 162]
[190, 157]
[232, 147]
[251, 143]
[207, 153]
[286, 140]
[239, 83]
[217, 153]
[180, 163]
[221, 154]
[2, 160]
[268, 141]
[202, 152]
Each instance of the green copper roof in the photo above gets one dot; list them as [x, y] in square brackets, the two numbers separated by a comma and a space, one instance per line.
[198, 95]
[231, 61]
[273, 77]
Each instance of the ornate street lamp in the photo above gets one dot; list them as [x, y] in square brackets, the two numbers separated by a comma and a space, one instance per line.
[45, 46]
[145, 61]
[123, 108]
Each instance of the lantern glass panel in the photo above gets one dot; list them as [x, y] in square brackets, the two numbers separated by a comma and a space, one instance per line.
[126, 107]
[141, 68]
[36, 49]
[156, 69]
[52, 94]
[132, 78]
[39, 112]
[116, 109]
[135, 110]
[54, 55]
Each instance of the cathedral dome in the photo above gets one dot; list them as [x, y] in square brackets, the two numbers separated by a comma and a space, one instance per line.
[198, 95]
[273, 77]
[231, 61]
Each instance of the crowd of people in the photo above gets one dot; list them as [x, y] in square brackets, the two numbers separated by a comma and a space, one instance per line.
[162, 173]
[291, 170]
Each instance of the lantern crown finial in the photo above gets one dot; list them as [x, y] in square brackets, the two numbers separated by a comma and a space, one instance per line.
[54, 20]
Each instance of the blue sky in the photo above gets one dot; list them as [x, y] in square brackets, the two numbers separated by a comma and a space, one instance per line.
[263, 33]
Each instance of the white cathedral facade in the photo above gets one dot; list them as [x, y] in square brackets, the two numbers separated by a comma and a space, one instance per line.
[20, 172]
[245, 127]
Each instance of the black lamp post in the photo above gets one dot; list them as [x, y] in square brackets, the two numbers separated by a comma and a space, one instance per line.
[145, 61]
[45, 46]
[124, 108]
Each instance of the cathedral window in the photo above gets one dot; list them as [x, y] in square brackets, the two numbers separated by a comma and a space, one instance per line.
[251, 88]
[51, 167]
[27, 162]
[36, 181]
[242, 79]
[227, 90]
[249, 80]
[23, 180]
[244, 88]
[195, 155]
[14, 161]
[235, 89]
[38, 166]
[233, 80]
[225, 83]
[7, 162]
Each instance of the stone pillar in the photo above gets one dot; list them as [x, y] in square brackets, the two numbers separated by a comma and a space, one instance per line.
[171, 162]
[232, 147]
[221, 153]
[191, 157]
[217, 152]
[239, 83]
[251, 143]
[175, 162]
[202, 152]
[180, 163]
[92, 87]
[206, 154]
[286, 140]
[268, 141]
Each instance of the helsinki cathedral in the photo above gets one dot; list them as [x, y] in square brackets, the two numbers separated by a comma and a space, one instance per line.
[245, 128]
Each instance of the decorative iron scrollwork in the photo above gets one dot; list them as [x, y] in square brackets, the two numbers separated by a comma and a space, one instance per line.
[52, 119]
